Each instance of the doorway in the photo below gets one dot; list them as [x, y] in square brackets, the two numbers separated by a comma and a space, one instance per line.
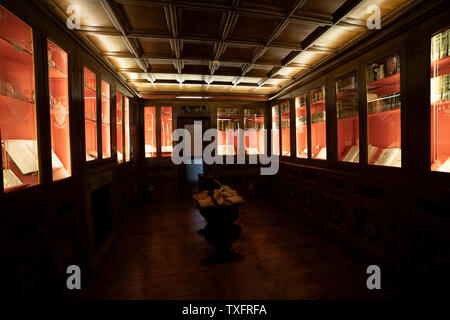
[188, 173]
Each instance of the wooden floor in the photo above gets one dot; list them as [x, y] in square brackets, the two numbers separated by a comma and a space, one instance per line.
[158, 257]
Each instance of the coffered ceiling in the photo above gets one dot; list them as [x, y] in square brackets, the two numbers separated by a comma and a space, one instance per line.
[227, 47]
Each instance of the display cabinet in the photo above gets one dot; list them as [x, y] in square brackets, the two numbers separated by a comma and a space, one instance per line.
[150, 131]
[106, 119]
[90, 113]
[126, 105]
[119, 126]
[440, 102]
[58, 84]
[275, 130]
[347, 118]
[318, 123]
[285, 129]
[254, 131]
[383, 112]
[227, 124]
[166, 132]
[301, 126]
[19, 146]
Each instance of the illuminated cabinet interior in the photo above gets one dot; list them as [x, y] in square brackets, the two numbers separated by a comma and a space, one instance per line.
[90, 114]
[106, 120]
[227, 123]
[347, 118]
[59, 111]
[254, 131]
[119, 126]
[17, 104]
[275, 134]
[301, 126]
[127, 129]
[285, 130]
[150, 131]
[318, 123]
[440, 102]
[383, 112]
[166, 131]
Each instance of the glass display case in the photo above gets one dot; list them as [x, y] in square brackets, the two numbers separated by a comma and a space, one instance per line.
[254, 130]
[301, 126]
[19, 147]
[285, 129]
[440, 102]
[383, 112]
[90, 113]
[106, 120]
[58, 84]
[347, 118]
[227, 124]
[318, 123]
[127, 128]
[150, 131]
[275, 130]
[119, 126]
[166, 132]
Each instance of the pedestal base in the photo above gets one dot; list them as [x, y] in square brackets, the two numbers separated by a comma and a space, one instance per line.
[221, 257]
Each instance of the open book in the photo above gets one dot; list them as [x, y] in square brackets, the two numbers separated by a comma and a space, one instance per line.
[322, 154]
[352, 154]
[10, 180]
[24, 154]
[390, 157]
[445, 167]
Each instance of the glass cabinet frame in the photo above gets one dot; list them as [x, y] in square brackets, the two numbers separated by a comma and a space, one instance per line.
[157, 152]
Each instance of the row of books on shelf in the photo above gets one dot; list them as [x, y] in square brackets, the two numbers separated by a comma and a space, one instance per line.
[376, 105]
[440, 45]
[227, 125]
[317, 96]
[253, 113]
[223, 112]
[346, 83]
[318, 117]
[254, 125]
[389, 67]
[440, 88]
[347, 108]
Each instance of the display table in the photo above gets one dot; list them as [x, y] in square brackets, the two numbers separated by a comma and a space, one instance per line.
[221, 231]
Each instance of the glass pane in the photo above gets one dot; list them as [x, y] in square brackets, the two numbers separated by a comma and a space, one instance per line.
[106, 120]
[227, 124]
[318, 124]
[150, 131]
[301, 126]
[119, 125]
[19, 145]
[254, 130]
[59, 111]
[275, 130]
[90, 114]
[285, 130]
[383, 112]
[347, 118]
[166, 131]
[127, 129]
[440, 105]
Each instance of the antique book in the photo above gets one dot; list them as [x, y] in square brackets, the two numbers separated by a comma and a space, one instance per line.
[371, 152]
[252, 150]
[322, 154]
[24, 154]
[387, 156]
[445, 167]
[397, 162]
[56, 163]
[119, 156]
[352, 154]
[10, 180]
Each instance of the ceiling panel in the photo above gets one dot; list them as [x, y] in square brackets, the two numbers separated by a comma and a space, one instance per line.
[200, 22]
[253, 28]
[92, 13]
[146, 17]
